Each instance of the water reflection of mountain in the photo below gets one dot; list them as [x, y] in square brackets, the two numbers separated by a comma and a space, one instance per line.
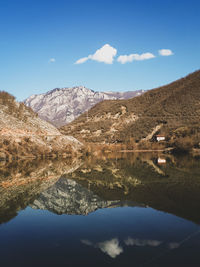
[68, 197]
[173, 187]
[22, 182]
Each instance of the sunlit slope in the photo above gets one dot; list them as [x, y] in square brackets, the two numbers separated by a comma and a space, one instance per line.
[167, 108]
[23, 133]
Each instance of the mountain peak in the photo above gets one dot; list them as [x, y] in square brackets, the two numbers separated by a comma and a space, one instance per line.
[62, 105]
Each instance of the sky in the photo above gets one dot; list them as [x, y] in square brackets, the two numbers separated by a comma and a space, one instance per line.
[105, 45]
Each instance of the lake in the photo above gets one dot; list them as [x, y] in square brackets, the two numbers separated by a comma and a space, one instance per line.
[117, 210]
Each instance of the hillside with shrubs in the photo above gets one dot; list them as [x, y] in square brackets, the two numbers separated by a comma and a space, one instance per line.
[172, 110]
[23, 134]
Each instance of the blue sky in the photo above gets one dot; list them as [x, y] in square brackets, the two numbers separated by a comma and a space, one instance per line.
[41, 40]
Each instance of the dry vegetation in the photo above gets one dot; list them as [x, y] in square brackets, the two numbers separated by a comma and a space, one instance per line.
[26, 148]
[23, 134]
[18, 110]
[174, 107]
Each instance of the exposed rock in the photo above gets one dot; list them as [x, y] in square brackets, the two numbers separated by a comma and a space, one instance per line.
[62, 105]
[23, 133]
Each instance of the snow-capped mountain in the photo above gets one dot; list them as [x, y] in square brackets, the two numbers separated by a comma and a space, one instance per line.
[62, 105]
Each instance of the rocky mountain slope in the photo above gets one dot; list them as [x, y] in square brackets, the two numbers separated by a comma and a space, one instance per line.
[62, 105]
[23, 133]
[167, 109]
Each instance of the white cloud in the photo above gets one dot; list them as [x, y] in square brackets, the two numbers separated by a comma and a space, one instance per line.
[141, 242]
[52, 60]
[125, 58]
[81, 60]
[105, 54]
[129, 58]
[165, 52]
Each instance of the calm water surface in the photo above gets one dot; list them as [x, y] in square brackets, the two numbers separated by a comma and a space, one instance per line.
[125, 210]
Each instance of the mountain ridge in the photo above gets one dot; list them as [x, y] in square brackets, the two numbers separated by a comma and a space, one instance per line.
[62, 105]
[168, 107]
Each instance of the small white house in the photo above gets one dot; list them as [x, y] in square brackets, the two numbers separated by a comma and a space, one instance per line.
[160, 137]
[161, 161]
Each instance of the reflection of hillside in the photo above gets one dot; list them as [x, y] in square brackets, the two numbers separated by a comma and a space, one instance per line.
[22, 182]
[177, 191]
[127, 179]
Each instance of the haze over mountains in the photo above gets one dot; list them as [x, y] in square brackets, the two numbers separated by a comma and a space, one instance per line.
[170, 109]
[62, 105]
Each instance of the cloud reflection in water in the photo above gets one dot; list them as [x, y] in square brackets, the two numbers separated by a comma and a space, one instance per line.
[141, 242]
[110, 247]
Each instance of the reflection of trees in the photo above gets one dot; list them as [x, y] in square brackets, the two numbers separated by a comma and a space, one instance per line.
[132, 179]
[135, 179]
